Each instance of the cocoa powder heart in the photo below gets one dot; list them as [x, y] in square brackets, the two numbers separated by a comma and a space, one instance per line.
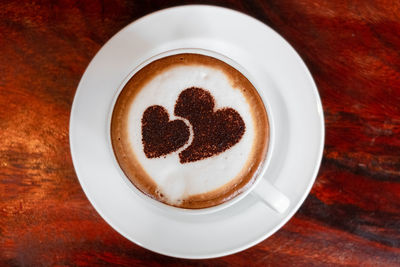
[161, 136]
[214, 131]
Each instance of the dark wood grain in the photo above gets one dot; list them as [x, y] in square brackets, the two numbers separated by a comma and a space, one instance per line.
[352, 216]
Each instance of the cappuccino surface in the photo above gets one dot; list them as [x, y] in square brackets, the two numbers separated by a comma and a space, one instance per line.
[189, 130]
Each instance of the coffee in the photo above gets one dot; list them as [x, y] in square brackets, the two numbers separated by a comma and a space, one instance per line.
[189, 130]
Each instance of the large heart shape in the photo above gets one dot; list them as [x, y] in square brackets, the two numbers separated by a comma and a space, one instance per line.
[214, 131]
[161, 136]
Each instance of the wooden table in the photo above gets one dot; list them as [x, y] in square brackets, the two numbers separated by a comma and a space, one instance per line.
[351, 217]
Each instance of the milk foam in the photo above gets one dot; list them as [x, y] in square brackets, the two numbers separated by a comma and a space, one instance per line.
[175, 180]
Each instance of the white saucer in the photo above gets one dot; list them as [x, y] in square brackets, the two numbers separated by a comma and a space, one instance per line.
[295, 109]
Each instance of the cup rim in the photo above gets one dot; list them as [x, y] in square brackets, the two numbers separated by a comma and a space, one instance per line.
[261, 169]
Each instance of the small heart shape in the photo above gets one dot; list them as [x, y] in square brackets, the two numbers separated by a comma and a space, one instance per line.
[161, 136]
[214, 131]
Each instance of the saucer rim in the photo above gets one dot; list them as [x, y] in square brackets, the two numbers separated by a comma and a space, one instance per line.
[226, 252]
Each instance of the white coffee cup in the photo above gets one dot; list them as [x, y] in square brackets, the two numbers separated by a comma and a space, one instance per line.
[262, 188]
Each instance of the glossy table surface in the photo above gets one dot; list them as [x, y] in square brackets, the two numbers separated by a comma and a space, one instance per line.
[351, 217]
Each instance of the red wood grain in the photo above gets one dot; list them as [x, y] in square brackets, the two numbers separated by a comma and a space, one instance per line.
[352, 216]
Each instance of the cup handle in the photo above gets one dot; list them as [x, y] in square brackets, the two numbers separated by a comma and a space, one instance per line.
[271, 196]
